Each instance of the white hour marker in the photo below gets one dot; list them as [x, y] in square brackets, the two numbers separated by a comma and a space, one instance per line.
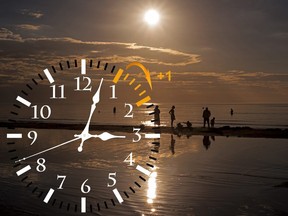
[118, 196]
[49, 195]
[83, 204]
[23, 170]
[48, 75]
[23, 101]
[143, 170]
[83, 66]
[14, 135]
[152, 136]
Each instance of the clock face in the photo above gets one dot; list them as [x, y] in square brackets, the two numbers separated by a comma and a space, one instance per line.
[78, 135]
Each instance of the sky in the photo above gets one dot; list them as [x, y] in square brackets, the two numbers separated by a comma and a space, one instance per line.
[220, 51]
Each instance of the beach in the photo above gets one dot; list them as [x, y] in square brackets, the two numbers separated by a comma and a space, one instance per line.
[220, 131]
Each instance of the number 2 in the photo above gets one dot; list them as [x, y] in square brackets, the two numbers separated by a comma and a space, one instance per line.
[129, 113]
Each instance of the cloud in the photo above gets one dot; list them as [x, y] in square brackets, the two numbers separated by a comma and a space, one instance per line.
[280, 35]
[6, 34]
[34, 14]
[234, 78]
[29, 27]
[114, 52]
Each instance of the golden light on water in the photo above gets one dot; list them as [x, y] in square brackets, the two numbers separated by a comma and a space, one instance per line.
[152, 186]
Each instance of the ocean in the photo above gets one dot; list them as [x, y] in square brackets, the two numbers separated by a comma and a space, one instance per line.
[197, 175]
[251, 115]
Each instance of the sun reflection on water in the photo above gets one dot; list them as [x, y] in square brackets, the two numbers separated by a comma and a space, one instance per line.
[151, 124]
[152, 186]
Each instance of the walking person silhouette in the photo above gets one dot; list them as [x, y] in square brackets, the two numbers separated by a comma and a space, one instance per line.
[172, 115]
[206, 117]
[157, 116]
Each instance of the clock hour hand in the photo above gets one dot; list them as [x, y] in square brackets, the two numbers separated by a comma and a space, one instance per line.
[107, 136]
[103, 136]
[85, 133]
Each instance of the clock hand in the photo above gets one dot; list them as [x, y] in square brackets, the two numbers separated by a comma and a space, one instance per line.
[103, 136]
[49, 149]
[85, 133]
[106, 136]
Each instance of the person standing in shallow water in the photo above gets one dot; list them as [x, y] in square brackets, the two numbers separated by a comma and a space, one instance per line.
[172, 115]
[212, 122]
[206, 117]
[157, 116]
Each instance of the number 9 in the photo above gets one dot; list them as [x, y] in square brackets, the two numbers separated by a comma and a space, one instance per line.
[33, 136]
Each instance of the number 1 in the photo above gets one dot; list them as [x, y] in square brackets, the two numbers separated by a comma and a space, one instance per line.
[113, 92]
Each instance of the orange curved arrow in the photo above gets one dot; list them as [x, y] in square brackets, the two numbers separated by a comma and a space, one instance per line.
[144, 69]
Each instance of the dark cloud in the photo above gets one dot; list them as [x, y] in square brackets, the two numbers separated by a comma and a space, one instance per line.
[31, 13]
[6, 34]
[20, 54]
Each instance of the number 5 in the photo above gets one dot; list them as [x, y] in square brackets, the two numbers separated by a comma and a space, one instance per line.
[111, 177]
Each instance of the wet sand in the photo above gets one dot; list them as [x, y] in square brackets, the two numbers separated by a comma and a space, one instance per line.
[220, 131]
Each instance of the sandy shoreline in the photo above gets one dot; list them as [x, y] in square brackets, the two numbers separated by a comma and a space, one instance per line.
[220, 131]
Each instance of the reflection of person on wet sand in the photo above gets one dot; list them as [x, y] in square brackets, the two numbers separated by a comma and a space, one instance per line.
[172, 145]
[213, 138]
[157, 116]
[231, 112]
[206, 142]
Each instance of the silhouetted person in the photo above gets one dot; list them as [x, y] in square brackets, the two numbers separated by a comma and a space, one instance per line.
[212, 122]
[157, 115]
[206, 142]
[231, 112]
[172, 145]
[206, 116]
[114, 110]
[189, 124]
[172, 115]
[179, 126]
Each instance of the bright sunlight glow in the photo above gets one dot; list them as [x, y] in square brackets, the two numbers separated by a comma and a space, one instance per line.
[151, 17]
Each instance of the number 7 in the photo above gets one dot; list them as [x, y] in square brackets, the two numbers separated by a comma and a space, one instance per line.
[63, 179]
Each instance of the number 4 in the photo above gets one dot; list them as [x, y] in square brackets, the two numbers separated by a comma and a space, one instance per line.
[129, 159]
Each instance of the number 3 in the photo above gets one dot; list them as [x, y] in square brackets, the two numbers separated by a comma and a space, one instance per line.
[137, 134]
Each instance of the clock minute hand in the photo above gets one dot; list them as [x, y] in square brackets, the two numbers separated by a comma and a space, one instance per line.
[85, 133]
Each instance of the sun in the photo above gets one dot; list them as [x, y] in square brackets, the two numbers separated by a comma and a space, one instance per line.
[151, 17]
